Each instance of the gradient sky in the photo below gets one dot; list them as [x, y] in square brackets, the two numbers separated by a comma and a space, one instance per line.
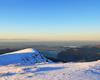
[50, 19]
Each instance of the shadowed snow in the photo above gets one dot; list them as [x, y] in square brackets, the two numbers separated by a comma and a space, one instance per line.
[26, 56]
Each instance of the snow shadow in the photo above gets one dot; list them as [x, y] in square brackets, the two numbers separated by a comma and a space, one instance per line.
[49, 68]
[94, 71]
[8, 74]
[29, 76]
[39, 69]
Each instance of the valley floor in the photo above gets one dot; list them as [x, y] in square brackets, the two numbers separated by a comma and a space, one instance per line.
[52, 71]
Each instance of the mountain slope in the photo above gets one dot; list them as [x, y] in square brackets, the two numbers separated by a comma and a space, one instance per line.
[25, 56]
[52, 71]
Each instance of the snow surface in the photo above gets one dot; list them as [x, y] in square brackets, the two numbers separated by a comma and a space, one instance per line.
[51, 71]
[45, 71]
[26, 56]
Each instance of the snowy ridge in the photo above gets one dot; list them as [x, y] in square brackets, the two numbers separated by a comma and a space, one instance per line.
[25, 56]
[28, 50]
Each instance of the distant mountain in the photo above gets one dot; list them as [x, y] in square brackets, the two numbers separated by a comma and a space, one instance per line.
[80, 54]
[2, 51]
[25, 56]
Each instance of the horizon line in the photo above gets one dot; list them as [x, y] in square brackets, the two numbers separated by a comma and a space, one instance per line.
[42, 40]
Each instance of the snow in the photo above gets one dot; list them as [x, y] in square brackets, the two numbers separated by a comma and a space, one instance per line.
[47, 71]
[26, 56]
[52, 71]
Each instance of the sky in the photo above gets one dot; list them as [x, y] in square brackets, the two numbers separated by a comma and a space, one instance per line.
[58, 20]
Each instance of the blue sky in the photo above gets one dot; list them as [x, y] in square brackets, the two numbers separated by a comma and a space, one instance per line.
[50, 19]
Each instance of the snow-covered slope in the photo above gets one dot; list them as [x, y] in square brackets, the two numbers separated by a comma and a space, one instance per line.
[26, 56]
[52, 71]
